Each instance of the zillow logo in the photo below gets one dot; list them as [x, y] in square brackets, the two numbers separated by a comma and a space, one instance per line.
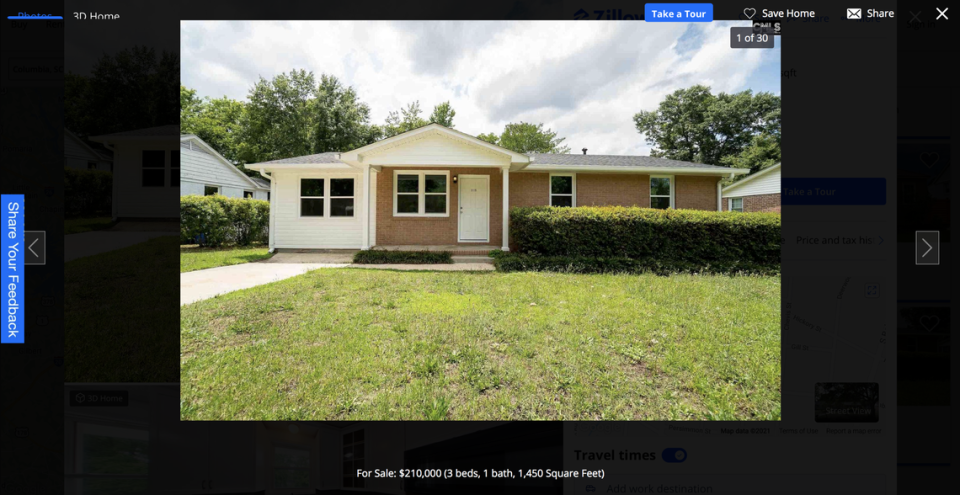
[608, 14]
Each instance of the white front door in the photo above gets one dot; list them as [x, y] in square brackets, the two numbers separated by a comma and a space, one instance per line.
[474, 208]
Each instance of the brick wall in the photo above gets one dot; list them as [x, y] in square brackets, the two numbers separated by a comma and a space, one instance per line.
[613, 190]
[433, 231]
[759, 203]
[696, 193]
[529, 189]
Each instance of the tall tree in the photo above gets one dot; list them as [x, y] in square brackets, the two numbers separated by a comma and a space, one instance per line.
[407, 119]
[343, 121]
[220, 122]
[127, 90]
[490, 138]
[695, 125]
[443, 114]
[282, 117]
[531, 138]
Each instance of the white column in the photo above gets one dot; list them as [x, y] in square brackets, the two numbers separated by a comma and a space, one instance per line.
[719, 196]
[365, 220]
[506, 208]
[273, 210]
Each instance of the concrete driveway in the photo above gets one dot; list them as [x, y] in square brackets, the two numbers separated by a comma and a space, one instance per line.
[204, 284]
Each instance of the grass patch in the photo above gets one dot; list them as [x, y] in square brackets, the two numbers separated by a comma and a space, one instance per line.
[193, 257]
[120, 314]
[377, 257]
[338, 344]
[78, 225]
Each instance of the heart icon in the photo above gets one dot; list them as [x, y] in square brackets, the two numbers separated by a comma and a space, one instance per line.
[929, 159]
[929, 322]
[749, 13]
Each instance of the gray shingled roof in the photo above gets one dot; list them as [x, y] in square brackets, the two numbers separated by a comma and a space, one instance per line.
[614, 161]
[328, 157]
[264, 183]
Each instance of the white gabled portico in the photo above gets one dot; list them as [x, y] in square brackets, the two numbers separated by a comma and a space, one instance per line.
[403, 184]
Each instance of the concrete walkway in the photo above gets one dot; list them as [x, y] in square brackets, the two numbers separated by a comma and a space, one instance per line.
[204, 284]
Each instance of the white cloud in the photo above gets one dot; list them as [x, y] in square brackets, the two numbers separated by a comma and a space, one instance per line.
[584, 80]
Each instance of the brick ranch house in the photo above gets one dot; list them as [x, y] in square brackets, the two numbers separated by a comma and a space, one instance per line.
[759, 192]
[435, 186]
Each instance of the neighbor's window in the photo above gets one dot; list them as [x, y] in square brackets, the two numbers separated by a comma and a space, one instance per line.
[563, 190]
[109, 459]
[341, 197]
[736, 204]
[174, 168]
[210, 190]
[291, 468]
[311, 197]
[247, 194]
[661, 192]
[91, 165]
[353, 459]
[152, 168]
[421, 193]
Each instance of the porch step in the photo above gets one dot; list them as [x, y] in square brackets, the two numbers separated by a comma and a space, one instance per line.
[486, 260]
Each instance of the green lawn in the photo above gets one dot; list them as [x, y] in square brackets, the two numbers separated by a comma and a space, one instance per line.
[78, 225]
[120, 312]
[197, 258]
[338, 344]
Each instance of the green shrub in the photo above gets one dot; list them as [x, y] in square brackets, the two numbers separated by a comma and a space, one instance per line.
[218, 220]
[377, 257]
[680, 238]
[515, 262]
[87, 193]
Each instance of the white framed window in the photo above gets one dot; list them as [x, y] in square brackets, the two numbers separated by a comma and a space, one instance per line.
[736, 204]
[563, 190]
[661, 192]
[291, 467]
[341, 197]
[211, 190]
[421, 193]
[312, 196]
[327, 196]
[152, 172]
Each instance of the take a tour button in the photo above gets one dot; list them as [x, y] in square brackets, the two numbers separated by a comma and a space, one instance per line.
[678, 12]
[832, 191]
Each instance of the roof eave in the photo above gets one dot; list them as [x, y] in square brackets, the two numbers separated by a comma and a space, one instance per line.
[545, 167]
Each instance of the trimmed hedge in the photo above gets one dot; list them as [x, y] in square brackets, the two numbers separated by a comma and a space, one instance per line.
[87, 193]
[217, 220]
[510, 262]
[682, 238]
[378, 257]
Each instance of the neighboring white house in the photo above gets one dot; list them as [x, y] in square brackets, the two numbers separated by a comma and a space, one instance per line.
[205, 172]
[757, 192]
[146, 172]
[79, 155]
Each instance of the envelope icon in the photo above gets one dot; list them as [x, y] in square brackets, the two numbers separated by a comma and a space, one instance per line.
[853, 13]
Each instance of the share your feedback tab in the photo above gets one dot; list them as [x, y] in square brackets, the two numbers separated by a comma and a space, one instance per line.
[678, 12]
[12, 269]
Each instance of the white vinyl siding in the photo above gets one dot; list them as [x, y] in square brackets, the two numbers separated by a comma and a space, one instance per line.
[768, 183]
[76, 155]
[201, 167]
[437, 150]
[292, 231]
[130, 199]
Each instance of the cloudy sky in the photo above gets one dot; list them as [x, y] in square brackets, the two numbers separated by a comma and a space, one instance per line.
[584, 80]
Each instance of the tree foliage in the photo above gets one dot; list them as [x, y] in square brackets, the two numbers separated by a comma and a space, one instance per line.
[527, 138]
[130, 89]
[443, 114]
[696, 125]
